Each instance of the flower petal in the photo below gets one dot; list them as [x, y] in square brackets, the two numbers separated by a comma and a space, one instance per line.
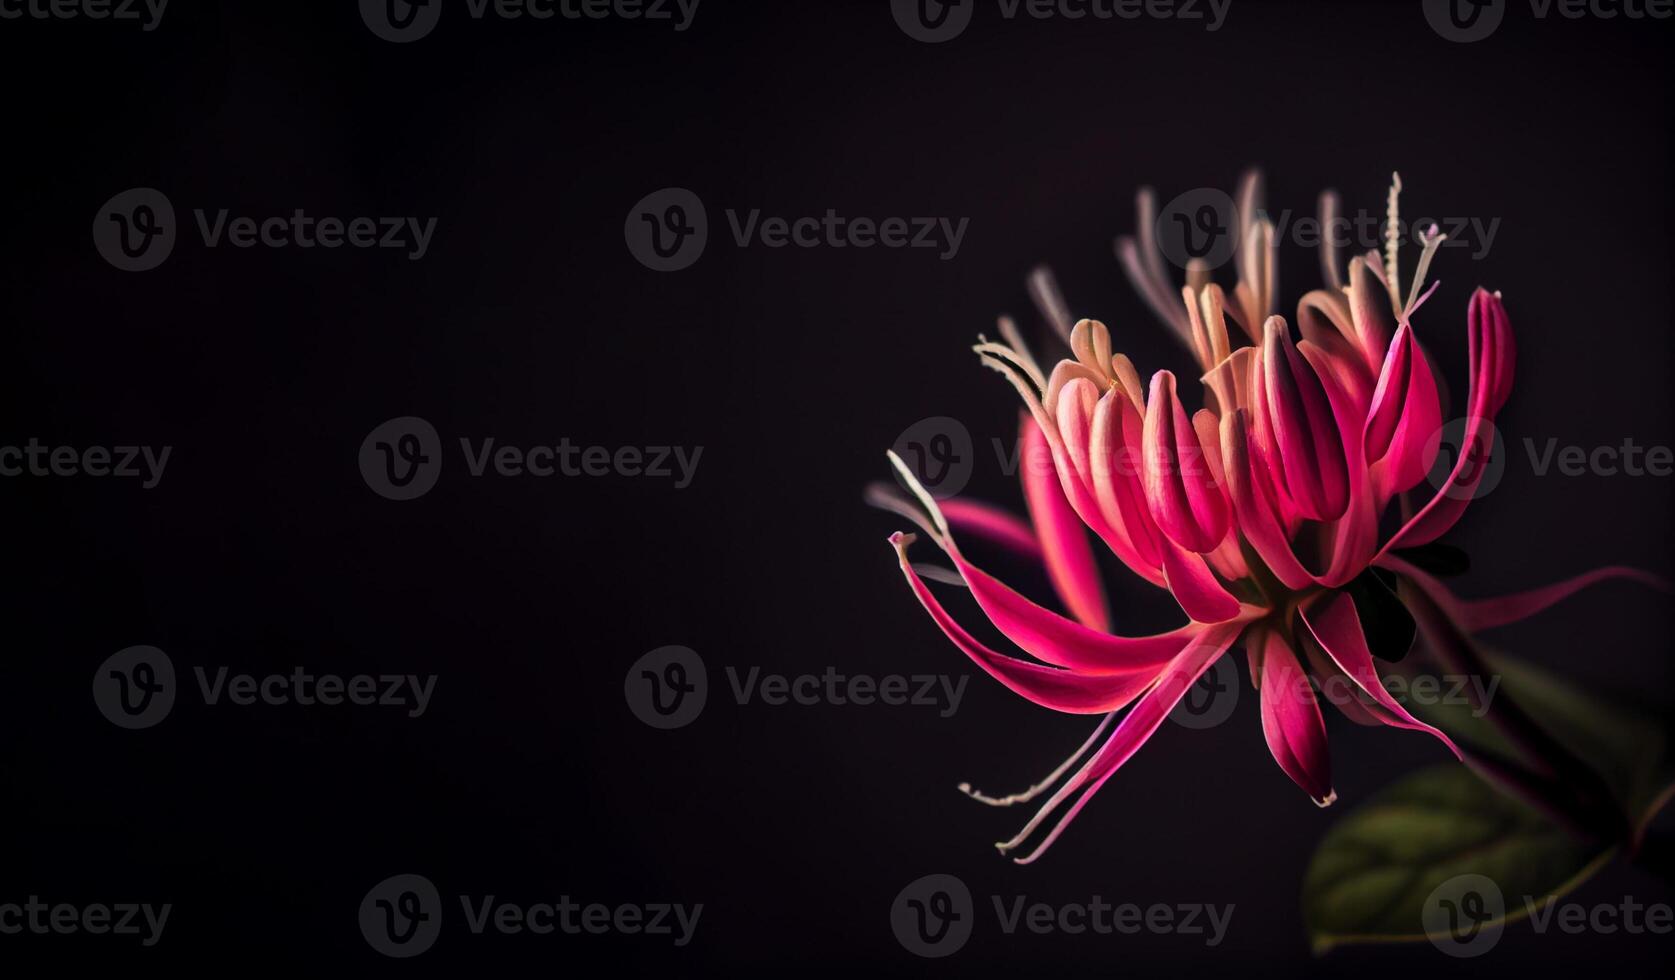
[1181, 490]
[1300, 429]
[1481, 614]
[1135, 729]
[1492, 357]
[1063, 538]
[1291, 720]
[1335, 625]
[1404, 416]
[1070, 691]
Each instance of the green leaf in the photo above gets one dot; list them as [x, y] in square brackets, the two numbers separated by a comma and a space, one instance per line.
[1627, 748]
[1373, 873]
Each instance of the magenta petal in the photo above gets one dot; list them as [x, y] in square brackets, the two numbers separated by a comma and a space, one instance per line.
[1136, 728]
[1181, 490]
[1052, 638]
[1481, 614]
[1291, 721]
[1405, 415]
[1302, 428]
[1333, 621]
[992, 524]
[1195, 587]
[1069, 691]
[1063, 538]
[1491, 355]
[1253, 503]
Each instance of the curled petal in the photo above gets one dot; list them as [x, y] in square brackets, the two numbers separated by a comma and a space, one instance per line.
[1195, 586]
[1301, 430]
[1405, 413]
[1070, 691]
[1481, 614]
[1181, 489]
[1259, 521]
[1116, 451]
[1291, 721]
[1335, 625]
[994, 525]
[1492, 356]
[1135, 729]
[1063, 540]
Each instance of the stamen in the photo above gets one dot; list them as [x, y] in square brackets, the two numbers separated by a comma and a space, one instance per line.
[1009, 333]
[1433, 241]
[1328, 209]
[1392, 242]
[918, 490]
[1049, 299]
[1045, 784]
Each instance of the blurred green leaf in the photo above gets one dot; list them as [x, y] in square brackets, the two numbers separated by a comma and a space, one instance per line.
[1626, 747]
[1372, 874]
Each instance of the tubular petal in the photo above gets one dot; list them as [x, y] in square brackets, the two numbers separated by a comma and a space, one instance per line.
[1491, 354]
[1258, 521]
[1063, 539]
[1334, 623]
[1405, 412]
[1116, 450]
[1070, 691]
[992, 524]
[1181, 490]
[1136, 728]
[1301, 429]
[1062, 642]
[1201, 595]
[1482, 614]
[1291, 721]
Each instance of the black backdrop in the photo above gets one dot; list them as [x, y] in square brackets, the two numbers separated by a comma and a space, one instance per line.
[528, 320]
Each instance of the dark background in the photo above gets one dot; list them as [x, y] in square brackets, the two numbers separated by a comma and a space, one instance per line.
[529, 321]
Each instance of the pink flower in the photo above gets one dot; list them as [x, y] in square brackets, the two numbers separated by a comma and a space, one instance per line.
[1259, 513]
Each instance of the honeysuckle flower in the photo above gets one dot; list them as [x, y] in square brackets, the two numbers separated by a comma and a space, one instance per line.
[1262, 513]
